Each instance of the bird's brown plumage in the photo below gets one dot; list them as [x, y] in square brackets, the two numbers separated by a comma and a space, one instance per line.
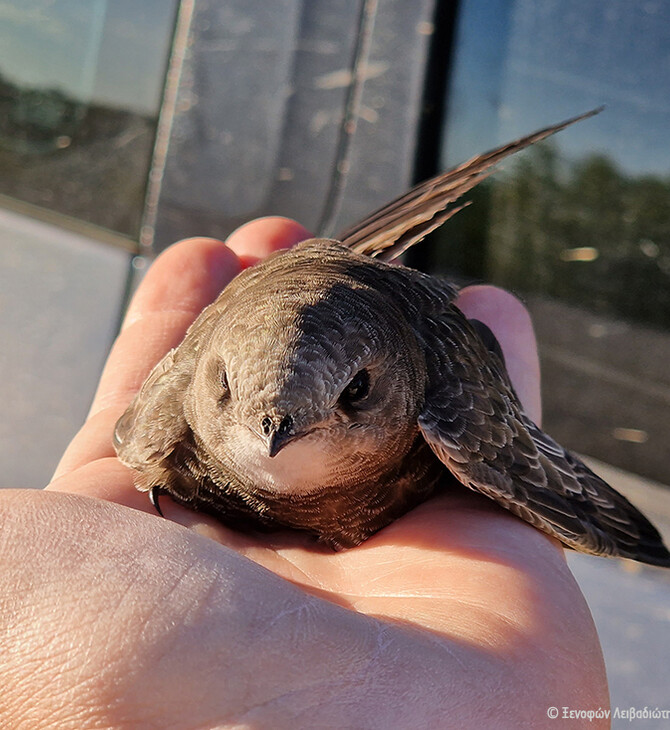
[327, 391]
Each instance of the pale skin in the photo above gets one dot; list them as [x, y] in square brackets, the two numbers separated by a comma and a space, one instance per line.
[457, 615]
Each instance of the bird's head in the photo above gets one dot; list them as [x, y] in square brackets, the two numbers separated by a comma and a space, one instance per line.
[302, 384]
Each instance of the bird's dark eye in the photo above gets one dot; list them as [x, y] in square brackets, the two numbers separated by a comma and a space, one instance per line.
[358, 387]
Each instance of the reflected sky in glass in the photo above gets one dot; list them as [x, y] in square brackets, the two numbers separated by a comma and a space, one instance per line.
[526, 64]
[80, 91]
[65, 44]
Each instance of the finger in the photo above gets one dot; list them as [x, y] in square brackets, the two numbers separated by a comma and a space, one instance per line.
[184, 278]
[260, 238]
[510, 322]
[182, 281]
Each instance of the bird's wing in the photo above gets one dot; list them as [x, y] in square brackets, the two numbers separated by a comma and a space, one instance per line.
[154, 422]
[473, 422]
[391, 230]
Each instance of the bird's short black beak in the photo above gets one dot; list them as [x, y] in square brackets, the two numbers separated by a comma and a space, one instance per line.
[276, 442]
[276, 434]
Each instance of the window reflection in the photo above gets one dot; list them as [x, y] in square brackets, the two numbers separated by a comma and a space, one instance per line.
[584, 232]
[80, 87]
[580, 225]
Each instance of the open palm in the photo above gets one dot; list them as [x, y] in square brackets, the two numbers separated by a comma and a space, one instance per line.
[457, 615]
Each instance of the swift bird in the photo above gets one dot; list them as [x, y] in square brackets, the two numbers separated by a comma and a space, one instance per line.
[330, 391]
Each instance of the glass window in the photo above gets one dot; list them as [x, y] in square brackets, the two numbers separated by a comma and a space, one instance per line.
[80, 89]
[579, 226]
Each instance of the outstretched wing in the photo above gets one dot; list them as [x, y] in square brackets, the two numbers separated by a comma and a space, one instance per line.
[391, 230]
[473, 422]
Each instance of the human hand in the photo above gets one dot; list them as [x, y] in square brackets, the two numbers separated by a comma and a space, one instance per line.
[457, 615]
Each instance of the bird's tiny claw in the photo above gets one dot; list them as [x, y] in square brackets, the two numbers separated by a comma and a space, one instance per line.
[154, 494]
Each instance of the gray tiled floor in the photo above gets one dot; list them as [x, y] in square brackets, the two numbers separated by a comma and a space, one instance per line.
[630, 604]
[60, 300]
[632, 613]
